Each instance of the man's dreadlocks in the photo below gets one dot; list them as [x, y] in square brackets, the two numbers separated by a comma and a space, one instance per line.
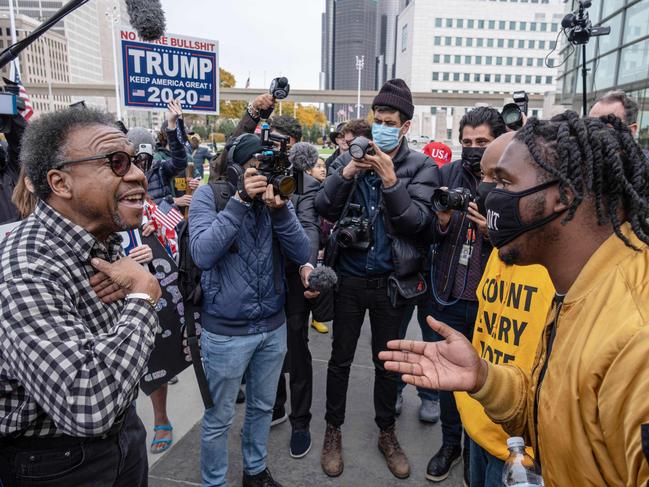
[598, 157]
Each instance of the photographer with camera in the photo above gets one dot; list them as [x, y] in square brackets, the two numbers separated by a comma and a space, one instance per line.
[380, 200]
[241, 251]
[460, 254]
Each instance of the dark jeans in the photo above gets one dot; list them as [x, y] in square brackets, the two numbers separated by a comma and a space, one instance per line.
[424, 309]
[300, 371]
[485, 470]
[353, 298]
[117, 461]
[461, 317]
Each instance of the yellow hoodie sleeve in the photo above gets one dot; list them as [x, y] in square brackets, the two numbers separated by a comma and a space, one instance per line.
[504, 398]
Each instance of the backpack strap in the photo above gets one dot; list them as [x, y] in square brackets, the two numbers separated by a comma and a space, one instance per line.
[222, 191]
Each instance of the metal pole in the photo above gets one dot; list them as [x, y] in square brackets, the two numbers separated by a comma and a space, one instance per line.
[15, 65]
[112, 17]
[584, 75]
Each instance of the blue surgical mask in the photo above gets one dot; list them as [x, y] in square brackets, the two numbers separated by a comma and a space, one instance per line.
[387, 138]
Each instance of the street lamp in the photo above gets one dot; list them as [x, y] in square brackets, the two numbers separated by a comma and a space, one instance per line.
[360, 62]
[113, 17]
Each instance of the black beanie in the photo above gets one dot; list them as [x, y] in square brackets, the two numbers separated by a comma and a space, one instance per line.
[247, 146]
[395, 94]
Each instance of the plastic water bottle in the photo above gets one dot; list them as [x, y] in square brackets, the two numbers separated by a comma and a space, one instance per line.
[520, 469]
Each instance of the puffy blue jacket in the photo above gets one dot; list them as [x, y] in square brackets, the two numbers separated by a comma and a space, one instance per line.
[234, 248]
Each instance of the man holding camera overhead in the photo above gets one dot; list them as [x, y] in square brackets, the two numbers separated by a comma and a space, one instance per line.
[380, 199]
[461, 253]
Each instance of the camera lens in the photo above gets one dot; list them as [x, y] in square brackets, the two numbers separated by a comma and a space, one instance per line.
[440, 200]
[284, 185]
[356, 151]
[513, 116]
[347, 238]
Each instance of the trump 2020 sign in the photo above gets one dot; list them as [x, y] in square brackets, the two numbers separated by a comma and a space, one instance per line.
[173, 67]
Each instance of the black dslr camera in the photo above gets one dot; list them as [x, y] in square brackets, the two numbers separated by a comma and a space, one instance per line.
[513, 112]
[355, 231]
[359, 147]
[451, 199]
[274, 163]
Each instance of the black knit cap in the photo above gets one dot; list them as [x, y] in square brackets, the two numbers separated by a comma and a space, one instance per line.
[247, 146]
[395, 94]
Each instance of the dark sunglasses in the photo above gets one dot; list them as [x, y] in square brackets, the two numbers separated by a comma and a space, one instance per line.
[120, 162]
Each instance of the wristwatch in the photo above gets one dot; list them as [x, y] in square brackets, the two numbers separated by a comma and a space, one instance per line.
[143, 296]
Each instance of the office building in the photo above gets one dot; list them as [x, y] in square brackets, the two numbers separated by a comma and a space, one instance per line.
[475, 46]
[619, 60]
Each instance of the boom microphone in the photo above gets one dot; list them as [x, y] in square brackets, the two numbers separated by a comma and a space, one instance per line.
[147, 18]
[322, 279]
[303, 156]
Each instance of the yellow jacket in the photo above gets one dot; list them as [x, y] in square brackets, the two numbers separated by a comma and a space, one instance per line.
[513, 303]
[593, 408]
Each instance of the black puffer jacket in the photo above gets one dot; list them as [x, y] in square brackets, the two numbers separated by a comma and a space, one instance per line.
[406, 206]
[306, 213]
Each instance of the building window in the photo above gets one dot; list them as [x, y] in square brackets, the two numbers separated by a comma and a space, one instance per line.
[404, 38]
[480, 24]
[530, 61]
[512, 25]
[517, 79]
[533, 26]
[555, 27]
[510, 61]
[539, 62]
[499, 61]
[433, 110]
[521, 44]
[519, 61]
[548, 80]
[478, 59]
[510, 43]
[469, 42]
[447, 58]
[448, 40]
[508, 78]
[501, 42]
[490, 43]
[449, 22]
[435, 76]
[498, 78]
[480, 41]
[538, 80]
[522, 26]
[502, 25]
[531, 44]
[436, 58]
[456, 76]
[460, 23]
[438, 22]
[544, 26]
[438, 41]
[445, 76]
[476, 77]
[489, 60]
[458, 41]
[492, 24]
[467, 77]
[467, 59]
[470, 23]
[457, 59]
[528, 79]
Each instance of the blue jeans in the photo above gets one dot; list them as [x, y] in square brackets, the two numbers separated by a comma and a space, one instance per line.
[485, 470]
[424, 309]
[226, 359]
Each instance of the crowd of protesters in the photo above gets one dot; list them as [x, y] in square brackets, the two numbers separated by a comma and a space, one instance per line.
[538, 276]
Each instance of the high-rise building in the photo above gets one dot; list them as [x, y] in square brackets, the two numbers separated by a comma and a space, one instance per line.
[352, 28]
[475, 46]
[619, 60]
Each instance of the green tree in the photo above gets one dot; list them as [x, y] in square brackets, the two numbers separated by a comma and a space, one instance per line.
[233, 108]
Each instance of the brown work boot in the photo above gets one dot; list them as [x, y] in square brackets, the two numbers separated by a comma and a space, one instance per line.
[394, 455]
[332, 452]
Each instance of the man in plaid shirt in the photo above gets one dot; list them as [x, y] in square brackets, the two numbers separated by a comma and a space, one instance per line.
[77, 321]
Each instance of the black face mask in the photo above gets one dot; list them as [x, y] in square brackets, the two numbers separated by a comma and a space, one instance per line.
[503, 216]
[471, 156]
[481, 196]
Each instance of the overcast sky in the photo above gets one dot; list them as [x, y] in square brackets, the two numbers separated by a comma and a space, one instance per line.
[263, 38]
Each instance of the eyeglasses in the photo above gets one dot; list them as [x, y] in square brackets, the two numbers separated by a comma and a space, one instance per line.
[120, 162]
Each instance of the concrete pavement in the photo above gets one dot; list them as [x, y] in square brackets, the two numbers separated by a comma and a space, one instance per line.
[364, 464]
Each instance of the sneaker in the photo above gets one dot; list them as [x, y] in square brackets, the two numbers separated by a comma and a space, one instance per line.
[241, 396]
[319, 326]
[331, 459]
[279, 416]
[263, 479]
[429, 411]
[394, 456]
[440, 465]
[173, 380]
[399, 404]
[300, 443]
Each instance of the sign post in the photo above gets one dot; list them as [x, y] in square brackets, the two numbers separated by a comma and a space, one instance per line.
[173, 67]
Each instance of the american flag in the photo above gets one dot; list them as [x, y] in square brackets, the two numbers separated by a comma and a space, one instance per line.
[167, 220]
[29, 110]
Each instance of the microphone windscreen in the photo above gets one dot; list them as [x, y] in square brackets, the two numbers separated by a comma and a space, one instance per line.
[303, 156]
[147, 18]
[322, 279]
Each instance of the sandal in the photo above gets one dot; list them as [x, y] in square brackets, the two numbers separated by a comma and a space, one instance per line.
[165, 442]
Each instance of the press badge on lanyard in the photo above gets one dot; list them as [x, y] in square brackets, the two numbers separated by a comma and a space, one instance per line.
[467, 248]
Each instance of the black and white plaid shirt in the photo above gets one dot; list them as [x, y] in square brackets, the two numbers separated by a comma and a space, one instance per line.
[69, 364]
